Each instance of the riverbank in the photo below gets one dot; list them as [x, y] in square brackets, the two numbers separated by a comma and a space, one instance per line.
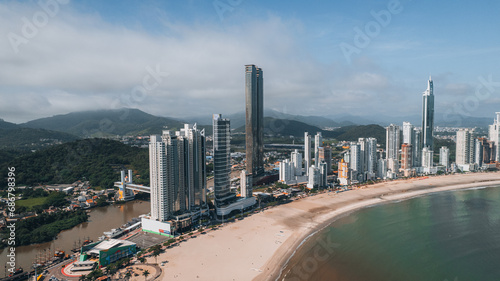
[257, 247]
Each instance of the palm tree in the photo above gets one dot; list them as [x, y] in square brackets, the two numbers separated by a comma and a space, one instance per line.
[128, 275]
[142, 259]
[156, 253]
[145, 273]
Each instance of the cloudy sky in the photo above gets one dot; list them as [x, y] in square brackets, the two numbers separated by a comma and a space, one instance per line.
[186, 58]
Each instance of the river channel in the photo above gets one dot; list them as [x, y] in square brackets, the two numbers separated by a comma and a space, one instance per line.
[101, 219]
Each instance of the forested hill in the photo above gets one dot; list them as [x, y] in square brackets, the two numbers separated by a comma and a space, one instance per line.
[96, 160]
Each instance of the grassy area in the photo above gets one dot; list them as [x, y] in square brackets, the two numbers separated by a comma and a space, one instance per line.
[29, 203]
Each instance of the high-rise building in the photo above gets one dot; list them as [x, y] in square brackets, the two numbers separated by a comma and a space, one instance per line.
[478, 155]
[222, 159]
[307, 152]
[444, 156]
[314, 178]
[177, 173]
[494, 136]
[417, 148]
[463, 150]
[254, 126]
[428, 115]
[325, 155]
[286, 171]
[406, 159]
[318, 140]
[392, 142]
[409, 138]
[297, 162]
[427, 155]
[245, 184]
[371, 157]
[343, 172]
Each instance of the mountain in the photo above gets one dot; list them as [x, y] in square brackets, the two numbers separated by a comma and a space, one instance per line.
[102, 123]
[284, 127]
[238, 119]
[352, 133]
[28, 138]
[96, 160]
[7, 125]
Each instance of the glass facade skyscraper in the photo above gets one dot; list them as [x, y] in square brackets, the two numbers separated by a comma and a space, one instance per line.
[254, 119]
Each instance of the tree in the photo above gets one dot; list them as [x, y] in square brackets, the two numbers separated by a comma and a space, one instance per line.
[128, 275]
[142, 259]
[145, 273]
[156, 253]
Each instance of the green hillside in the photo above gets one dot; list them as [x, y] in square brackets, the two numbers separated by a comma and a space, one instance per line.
[96, 160]
[352, 133]
[28, 138]
[104, 123]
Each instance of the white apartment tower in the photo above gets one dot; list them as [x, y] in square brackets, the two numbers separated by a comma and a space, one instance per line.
[318, 140]
[307, 152]
[177, 172]
[494, 136]
[444, 156]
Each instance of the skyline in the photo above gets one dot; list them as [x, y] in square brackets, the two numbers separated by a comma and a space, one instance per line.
[92, 55]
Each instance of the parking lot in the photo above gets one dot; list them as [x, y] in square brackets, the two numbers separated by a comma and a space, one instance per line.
[145, 240]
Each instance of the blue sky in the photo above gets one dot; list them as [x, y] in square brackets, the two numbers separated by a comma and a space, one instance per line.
[94, 55]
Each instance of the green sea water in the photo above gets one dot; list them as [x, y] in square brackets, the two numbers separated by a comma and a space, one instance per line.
[453, 236]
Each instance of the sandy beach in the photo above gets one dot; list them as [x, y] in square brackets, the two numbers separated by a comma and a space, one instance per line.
[256, 247]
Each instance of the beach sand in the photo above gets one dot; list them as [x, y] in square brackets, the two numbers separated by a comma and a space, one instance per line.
[256, 247]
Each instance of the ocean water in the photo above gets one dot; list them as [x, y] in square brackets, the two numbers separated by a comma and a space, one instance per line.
[452, 236]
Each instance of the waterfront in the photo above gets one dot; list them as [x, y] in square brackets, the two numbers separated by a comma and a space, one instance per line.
[101, 219]
[444, 236]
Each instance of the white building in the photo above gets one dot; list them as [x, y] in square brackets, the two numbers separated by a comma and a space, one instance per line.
[318, 140]
[177, 173]
[463, 151]
[494, 136]
[286, 171]
[393, 142]
[245, 184]
[307, 151]
[314, 177]
[297, 162]
[444, 156]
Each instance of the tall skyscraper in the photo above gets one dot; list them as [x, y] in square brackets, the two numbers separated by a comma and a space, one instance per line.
[428, 115]
[393, 141]
[371, 157]
[417, 148]
[463, 151]
[392, 144]
[254, 126]
[222, 159]
[494, 136]
[177, 173]
[307, 151]
[318, 140]
[408, 133]
[245, 184]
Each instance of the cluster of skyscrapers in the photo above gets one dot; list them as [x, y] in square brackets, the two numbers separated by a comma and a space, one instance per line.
[178, 170]
[292, 171]
[473, 153]
[408, 151]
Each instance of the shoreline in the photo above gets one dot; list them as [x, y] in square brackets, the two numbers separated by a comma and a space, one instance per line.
[259, 247]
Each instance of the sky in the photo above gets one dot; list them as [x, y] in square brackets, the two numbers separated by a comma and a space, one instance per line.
[186, 58]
